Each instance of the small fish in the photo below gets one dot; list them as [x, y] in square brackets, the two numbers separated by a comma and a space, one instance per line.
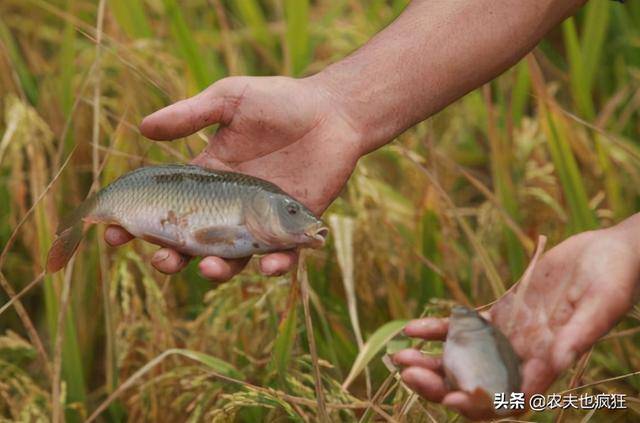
[478, 358]
[196, 211]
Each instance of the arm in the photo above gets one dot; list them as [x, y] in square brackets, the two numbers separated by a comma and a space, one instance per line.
[306, 135]
[433, 54]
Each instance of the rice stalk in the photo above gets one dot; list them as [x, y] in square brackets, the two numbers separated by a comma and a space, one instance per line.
[342, 228]
[582, 217]
[489, 268]
[323, 416]
[501, 159]
[56, 398]
[22, 312]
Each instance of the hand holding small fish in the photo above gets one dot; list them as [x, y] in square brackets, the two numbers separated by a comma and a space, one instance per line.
[288, 131]
[577, 292]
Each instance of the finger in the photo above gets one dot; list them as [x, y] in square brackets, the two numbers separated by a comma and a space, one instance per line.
[276, 264]
[537, 376]
[116, 236]
[217, 269]
[430, 328]
[425, 383]
[216, 104]
[594, 317]
[472, 407]
[169, 261]
[412, 357]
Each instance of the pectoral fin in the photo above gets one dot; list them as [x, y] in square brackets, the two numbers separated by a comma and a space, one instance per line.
[216, 235]
[162, 240]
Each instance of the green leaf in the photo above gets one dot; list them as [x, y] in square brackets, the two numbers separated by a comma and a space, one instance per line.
[187, 46]
[373, 346]
[283, 346]
[581, 216]
[27, 80]
[213, 363]
[131, 17]
[253, 16]
[297, 16]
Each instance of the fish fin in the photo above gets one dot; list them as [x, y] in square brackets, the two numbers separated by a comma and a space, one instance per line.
[215, 235]
[69, 234]
[510, 358]
[77, 215]
[64, 246]
[480, 396]
[162, 240]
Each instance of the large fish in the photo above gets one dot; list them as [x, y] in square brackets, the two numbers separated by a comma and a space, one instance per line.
[478, 358]
[196, 211]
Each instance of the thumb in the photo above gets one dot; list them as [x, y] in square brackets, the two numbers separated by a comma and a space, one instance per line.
[216, 104]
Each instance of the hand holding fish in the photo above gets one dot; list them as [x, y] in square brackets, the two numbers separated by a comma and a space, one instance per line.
[291, 132]
[577, 293]
[306, 135]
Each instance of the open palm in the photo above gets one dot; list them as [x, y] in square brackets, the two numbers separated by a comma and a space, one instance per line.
[577, 292]
[288, 131]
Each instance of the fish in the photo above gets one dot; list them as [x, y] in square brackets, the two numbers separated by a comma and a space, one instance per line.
[196, 211]
[478, 358]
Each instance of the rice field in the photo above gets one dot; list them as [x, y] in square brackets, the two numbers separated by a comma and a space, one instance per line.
[448, 212]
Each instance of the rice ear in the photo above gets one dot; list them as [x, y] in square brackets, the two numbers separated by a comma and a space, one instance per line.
[64, 246]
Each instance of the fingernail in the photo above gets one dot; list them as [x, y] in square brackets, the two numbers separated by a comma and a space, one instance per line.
[415, 324]
[160, 256]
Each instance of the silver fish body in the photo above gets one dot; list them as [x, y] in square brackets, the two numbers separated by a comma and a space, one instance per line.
[478, 358]
[202, 212]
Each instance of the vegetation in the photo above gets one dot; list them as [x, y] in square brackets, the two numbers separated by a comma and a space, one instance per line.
[449, 211]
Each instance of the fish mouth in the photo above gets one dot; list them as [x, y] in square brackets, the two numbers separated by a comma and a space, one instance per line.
[318, 236]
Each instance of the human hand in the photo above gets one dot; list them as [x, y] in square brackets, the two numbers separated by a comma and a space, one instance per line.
[292, 132]
[577, 293]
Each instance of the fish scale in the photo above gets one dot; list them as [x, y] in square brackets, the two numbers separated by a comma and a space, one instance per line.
[179, 188]
[196, 211]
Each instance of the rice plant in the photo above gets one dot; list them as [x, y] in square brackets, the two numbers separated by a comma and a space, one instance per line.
[449, 211]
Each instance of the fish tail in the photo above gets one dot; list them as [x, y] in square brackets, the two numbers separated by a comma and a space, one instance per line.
[63, 248]
[69, 234]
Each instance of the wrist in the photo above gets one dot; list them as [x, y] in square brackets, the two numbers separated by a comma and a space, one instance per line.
[630, 229]
[349, 99]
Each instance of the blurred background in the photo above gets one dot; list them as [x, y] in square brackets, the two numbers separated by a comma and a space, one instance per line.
[448, 212]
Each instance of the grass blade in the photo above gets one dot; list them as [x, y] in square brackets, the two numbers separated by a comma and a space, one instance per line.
[187, 47]
[284, 342]
[131, 17]
[581, 215]
[376, 342]
[26, 79]
[297, 36]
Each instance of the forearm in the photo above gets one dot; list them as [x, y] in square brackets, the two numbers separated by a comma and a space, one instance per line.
[433, 54]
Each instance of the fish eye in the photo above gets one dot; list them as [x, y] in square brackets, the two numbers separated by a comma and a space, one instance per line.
[292, 209]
